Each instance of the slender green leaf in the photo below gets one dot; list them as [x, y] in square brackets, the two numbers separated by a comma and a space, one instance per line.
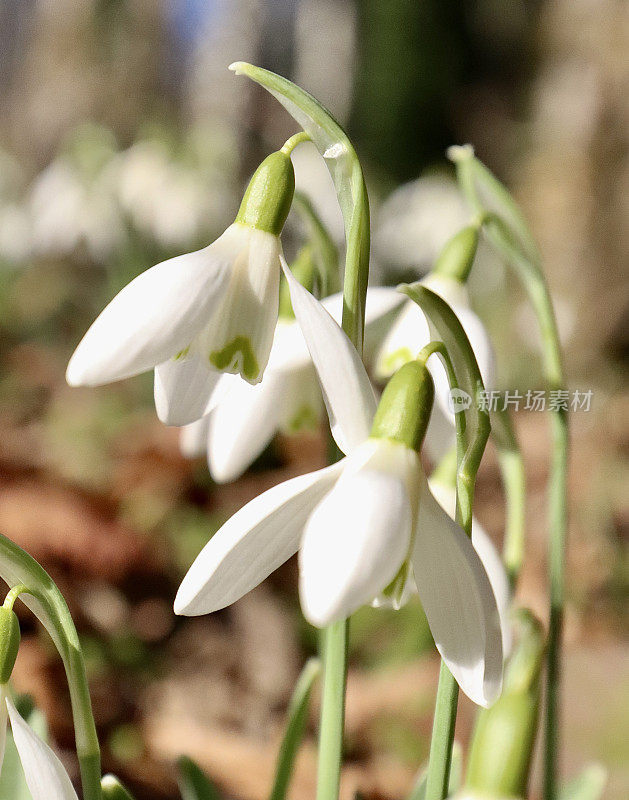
[325, 251]
[193, 782]
[297, 719]
[344, 166]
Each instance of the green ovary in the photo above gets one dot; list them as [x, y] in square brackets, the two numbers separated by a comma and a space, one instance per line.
[237, 356]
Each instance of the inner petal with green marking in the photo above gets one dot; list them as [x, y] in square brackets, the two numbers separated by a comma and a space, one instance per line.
[237, 357]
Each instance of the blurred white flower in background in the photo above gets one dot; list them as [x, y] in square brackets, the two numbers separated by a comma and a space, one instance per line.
[68, 209]
[415, 221]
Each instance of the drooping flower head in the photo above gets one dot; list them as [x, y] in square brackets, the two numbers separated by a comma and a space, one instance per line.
[362, 522]
[199, 315]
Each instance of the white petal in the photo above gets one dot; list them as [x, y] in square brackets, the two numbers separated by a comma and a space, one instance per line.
[406, 337]
[3, 722]
[489, 555]
[243, 425]
[353, 546]
[255, 541]
[358, 536]
[45, 775]
[289, 349]
[183, 389]
[154, 317]
[348, 394]
[193, 438]
[240, 337]
[452, 291]
[459, 602]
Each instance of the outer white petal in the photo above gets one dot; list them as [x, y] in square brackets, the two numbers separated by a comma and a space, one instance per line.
[459, 602]
[289, 349]
[247, 318]
[155, 316]
[243, 425]
[358, 536]
[255, 541]
[183, 389]
[3, 722]
[489, 555]
[45, 775]
[347, 391]
[193, 438]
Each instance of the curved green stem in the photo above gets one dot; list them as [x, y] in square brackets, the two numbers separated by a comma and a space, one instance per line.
[472, 431]
[291, 143]
[508, 232]
[45, 600]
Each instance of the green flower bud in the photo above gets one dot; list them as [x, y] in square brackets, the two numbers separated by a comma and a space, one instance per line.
[404, 409]
[9, 642]
[457, 256]
[305, 270]
[504, 736]
[112, 789]
[268, 198]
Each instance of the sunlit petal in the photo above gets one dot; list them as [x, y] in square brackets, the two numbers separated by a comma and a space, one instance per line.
[489, 555]
[152, 319]
[459, 602]
[183, 389]
[243, 425]
[45, 775]
[193, 438]
[358, 536]
[348, 394]
[251, 544]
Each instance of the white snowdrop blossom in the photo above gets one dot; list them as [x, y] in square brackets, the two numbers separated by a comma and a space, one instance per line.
[287, 400]
[45, 775]
[198, 315]
[410, 332]
[359, 523]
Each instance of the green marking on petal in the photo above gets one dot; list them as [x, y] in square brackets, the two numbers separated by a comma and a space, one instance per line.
[395, 590]
[305, 419]
[182, 353]
[237, 357]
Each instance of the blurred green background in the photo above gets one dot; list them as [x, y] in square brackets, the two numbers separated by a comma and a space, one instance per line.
[125, 140]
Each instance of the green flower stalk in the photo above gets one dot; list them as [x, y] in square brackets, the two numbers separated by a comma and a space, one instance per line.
[38, 591]
[507, 230]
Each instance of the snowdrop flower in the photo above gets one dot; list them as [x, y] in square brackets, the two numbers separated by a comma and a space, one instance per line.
[287, 400]
[410, 332]
[362, 522]
[198, 315]
[45, 775]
